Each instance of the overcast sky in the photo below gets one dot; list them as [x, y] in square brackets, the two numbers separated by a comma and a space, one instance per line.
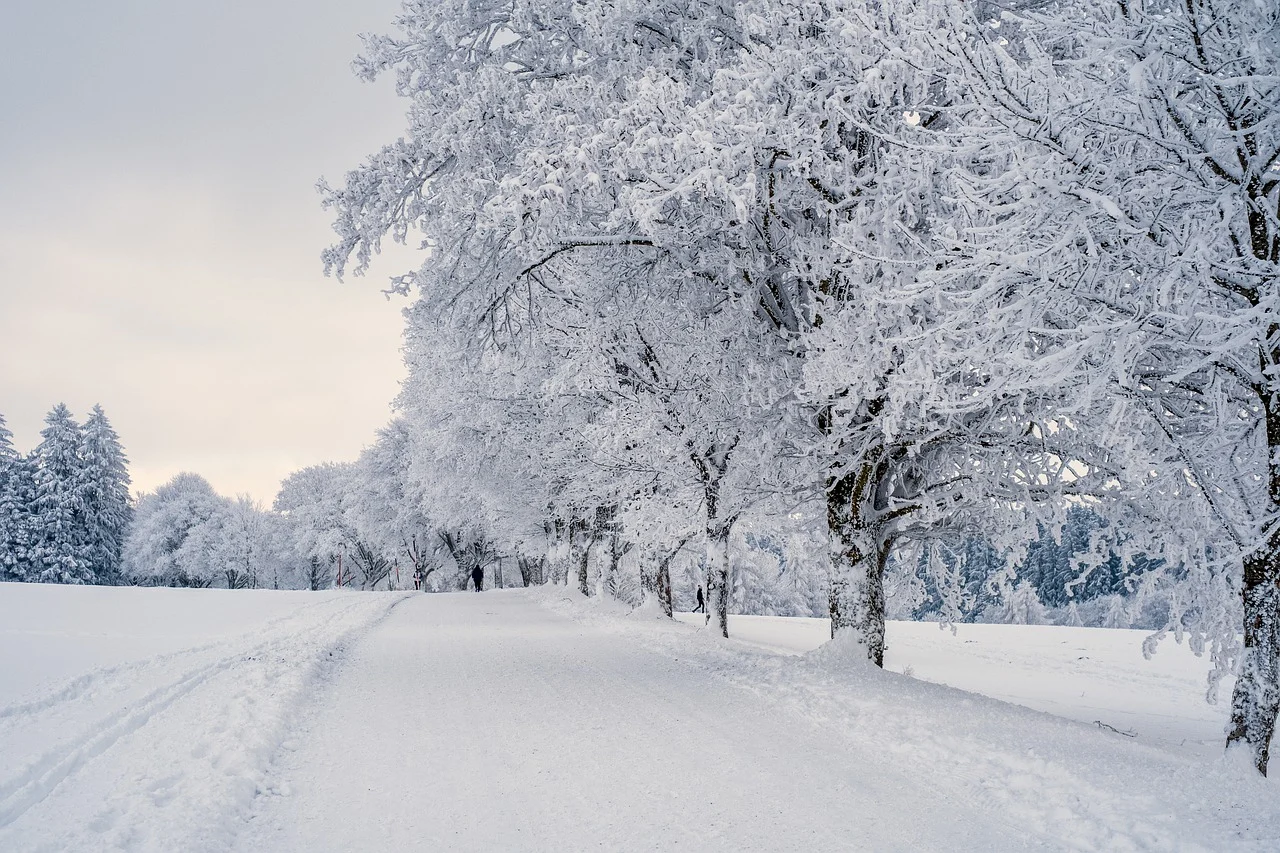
[160, 231]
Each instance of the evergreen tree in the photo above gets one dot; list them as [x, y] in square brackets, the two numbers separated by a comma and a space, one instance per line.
[104, 487]
[16, 502]
[1117, 614]
[11, 508]
[1023, 606]
[7, 453]
[58, 553]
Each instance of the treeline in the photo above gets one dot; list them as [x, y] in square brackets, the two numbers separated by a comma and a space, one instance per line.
[186, 534]
[64, 507]
[886, 281]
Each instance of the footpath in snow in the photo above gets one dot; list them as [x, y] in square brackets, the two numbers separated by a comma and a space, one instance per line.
[484, 722]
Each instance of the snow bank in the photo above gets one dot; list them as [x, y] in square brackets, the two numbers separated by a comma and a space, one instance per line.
[163, 742]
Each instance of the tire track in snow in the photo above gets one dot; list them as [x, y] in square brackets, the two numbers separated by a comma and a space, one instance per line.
[113, 676]
[38, 780]
[276, 650]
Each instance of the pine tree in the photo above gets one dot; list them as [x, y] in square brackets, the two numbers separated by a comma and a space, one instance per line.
[1117, 614]
[1072, 617]
[1024, 607]
[104, 489]
[58, 513]
[11, 508]
[7, 453]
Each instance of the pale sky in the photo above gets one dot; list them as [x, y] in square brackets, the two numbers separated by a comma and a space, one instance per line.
[160, 232]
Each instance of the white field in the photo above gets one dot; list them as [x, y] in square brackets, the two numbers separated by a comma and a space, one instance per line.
[167, 720]
[1087, 674]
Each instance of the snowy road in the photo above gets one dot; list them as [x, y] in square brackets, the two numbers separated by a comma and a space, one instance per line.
[485, 722]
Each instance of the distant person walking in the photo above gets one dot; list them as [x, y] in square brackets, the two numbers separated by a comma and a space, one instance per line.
[417, 578]
[702, 604]
[477, 578]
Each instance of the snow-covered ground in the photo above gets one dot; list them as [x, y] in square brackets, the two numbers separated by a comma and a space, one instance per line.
[143, 719]
[1094, 675]
[202, 720]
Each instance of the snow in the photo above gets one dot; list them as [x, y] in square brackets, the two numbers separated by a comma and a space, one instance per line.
[176, 701]
[502, 726]
[1086, 674]
[538, 720]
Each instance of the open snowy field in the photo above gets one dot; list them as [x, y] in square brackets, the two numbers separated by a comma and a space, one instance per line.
[160, 720]
[1086, 674]
[142, 719]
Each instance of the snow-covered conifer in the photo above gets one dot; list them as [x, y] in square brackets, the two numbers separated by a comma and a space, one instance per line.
[104, 487]
[58, 550]
[1117, 614]
[14, 505]
[1023, 606]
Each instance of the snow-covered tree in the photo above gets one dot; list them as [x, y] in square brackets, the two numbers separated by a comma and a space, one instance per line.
[949, 270]
[59, 552]
[1022, 606]
[168, 540]
[311, 501]
[186, 534]
[240, 547]
[104, 488]
[14, 504]
[386, 504]
[1117, 614]
[1149, 140]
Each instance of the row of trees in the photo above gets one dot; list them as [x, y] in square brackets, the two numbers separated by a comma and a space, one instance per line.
[64, 507]
[331, 526]
[887, 275]
[186, 534]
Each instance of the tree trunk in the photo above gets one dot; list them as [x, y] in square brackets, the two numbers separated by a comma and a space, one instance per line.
[557, 552]
[857, 594]
[530, 570]
[1255, 701]
[858, 558]
[718, 576]
[616, 550]
[582, 555]
[662, 583]
[655, 577]
[1256, 698]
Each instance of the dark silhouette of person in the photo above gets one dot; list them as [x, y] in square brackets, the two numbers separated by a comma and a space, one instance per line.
[417, 578]
[702, 604]
[477, 578]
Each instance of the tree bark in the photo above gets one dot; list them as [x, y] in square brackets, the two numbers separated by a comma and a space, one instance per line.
[859, 554]
[579, 535]
[657, 580]
[662, 582]
[558, 552]
[718, 576]
[1255, 701]
[857, 593]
